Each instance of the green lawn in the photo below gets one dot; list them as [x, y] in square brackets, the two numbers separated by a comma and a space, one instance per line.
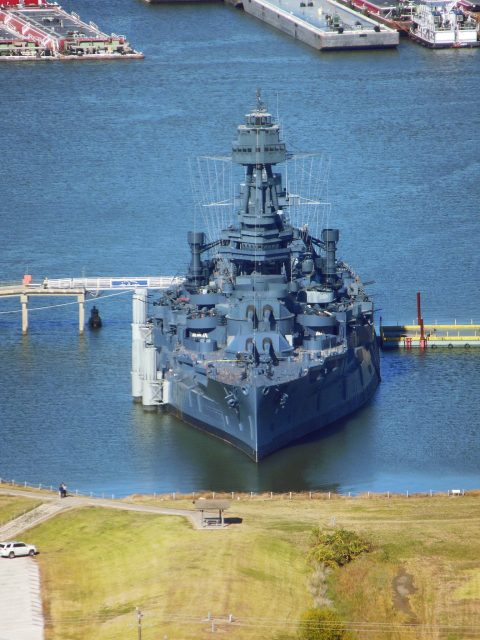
[12, 506]
[97, 565]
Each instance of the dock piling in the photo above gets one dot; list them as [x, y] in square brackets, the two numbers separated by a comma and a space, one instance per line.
[24, 301]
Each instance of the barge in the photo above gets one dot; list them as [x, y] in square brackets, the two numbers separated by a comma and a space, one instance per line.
[39, 30]
[323, 24]
[438, 24]
[396, 15]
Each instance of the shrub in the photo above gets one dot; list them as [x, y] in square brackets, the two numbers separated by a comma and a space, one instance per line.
[336, 548]
[321, 624]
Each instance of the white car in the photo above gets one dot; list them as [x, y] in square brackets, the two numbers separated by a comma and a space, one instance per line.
[14, 549]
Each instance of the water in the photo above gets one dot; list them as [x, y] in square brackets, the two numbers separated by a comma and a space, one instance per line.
[94, 181]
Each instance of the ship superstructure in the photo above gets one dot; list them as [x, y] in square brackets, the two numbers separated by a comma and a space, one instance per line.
[270, 337]
[441, 24]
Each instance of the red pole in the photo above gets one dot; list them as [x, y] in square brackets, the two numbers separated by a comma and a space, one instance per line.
[423, 342]
[419, 309]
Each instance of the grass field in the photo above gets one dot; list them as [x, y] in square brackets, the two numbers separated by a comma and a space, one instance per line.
[422, 579]
[12, 506]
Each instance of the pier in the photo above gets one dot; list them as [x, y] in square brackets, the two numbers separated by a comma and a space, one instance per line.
[79, 288]
[410, 336]
[423, 336]
[38, 30]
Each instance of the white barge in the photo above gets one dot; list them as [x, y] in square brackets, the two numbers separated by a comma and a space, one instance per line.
[323, 24]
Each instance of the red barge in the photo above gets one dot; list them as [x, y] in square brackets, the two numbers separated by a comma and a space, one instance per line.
[397, 15]
[39, 30]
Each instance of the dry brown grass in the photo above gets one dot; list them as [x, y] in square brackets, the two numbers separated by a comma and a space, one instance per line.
[98, 564]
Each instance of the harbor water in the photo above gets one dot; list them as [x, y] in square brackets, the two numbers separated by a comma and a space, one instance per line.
[95, 180]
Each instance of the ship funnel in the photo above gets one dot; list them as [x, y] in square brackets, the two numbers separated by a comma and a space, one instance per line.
[330, 238]
[196, 240]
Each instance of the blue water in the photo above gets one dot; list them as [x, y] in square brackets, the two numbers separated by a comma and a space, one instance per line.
[95, 181]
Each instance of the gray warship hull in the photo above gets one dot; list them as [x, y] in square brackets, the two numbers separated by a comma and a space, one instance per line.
[262, 424]
[269, 337]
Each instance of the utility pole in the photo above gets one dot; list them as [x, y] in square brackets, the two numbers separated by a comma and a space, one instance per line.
[139, 622]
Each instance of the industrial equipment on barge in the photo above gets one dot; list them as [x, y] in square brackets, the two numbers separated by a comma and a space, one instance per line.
[40, 30]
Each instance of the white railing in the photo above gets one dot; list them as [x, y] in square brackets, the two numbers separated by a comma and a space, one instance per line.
[245, 494]
[100, 284]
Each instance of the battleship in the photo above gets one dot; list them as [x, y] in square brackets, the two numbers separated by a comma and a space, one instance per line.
[269, 337]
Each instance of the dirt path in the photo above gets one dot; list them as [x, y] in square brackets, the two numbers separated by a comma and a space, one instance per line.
[52, 505]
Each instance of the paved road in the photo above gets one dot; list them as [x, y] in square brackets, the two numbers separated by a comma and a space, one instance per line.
[21, 616]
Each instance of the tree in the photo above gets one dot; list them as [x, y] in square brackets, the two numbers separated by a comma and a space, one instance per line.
[335, 548]
[321, 624]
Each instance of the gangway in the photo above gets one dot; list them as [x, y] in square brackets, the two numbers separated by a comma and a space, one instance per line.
[81, 288]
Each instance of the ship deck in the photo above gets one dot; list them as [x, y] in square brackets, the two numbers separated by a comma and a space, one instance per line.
[58, 23]
[323, 24]
[231, 371]
[50, 33]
